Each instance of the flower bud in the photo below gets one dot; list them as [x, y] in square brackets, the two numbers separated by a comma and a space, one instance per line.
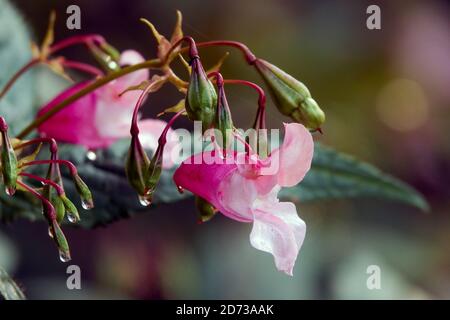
[223, 121]
[201, 98]
[70, 209]
[205, 209]
[86, 196]
[291, 97]
[136, 165]
[59, 208]
[61, 242]
[154, 172]
[9, 160]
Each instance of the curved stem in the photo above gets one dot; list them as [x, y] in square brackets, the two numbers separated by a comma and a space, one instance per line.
[218, 76]
[68, 164]
[162, 138]
[260, 120]
[57, 187]
[87, 89]
[134, 129]
[53, 49]
[17, 75]
[248, 54]
[52, 144]
[84, 39]
[51, 215]
[193, 52]
[83, 67]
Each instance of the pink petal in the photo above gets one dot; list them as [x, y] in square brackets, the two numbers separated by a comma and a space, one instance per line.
[278, 230]
[131, 57]
[295, 155]
[75, 123]
[217, 182]
[236, 197]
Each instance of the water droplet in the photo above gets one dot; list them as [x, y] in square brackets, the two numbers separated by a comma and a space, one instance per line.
[64, 256]
[10, 191]
[50, 232]
[145, 200]
[72, 217]
[91, 155]
[180, 189]
[87, 205]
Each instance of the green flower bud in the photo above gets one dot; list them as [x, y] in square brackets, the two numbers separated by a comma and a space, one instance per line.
[201, 98]
[86, 196]
[9, 160]
[205, 209]
[154, 173]
[61, 242]
[291, 97]
[70, 209]
[59, 208]
[136, 165]
[223, 121]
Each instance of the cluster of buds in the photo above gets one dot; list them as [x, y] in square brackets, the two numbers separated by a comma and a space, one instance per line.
[208, 104]
[204, 100]
[56, 206]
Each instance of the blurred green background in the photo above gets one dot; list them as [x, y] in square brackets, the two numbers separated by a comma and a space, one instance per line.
[387, 99]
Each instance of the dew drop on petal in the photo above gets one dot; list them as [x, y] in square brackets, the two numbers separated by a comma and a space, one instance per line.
[64, 256]
[91, 155]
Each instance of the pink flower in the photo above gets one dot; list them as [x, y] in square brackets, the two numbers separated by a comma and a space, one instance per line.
[245, 193]
[102, 117]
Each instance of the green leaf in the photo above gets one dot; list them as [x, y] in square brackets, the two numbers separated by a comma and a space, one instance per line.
[17, 105]
[9, 290]
[334, 175]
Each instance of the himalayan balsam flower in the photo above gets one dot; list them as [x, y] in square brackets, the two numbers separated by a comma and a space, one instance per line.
[103, 116]
[243, 193]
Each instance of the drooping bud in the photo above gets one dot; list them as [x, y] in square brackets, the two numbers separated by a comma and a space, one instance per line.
[70, 209]
[9, 160]
[61, 242]
[136, 165]
[87, 201]
[205, 209]
[201, 98]
[154, 173]
[223, 121]
[59, 208]
[291, 97]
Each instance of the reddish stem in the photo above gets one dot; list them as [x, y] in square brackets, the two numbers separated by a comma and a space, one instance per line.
[218, 76]
[260, 120]
[17, 75]
[193, 52]
[51, 215]
[134, 130]
[162, 138]
[83, 67]
[57, 187]
[248, 54]
[84, 39]
[53, 146]
[68, 164]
